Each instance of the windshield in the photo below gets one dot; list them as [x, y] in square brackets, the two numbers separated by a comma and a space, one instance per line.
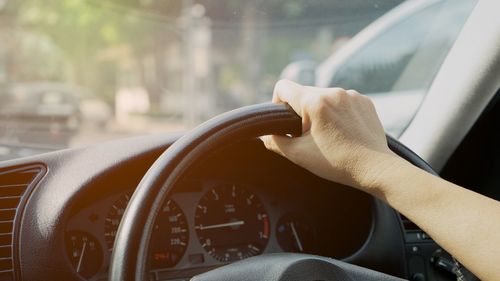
[396, 64]
[76, 72]
[412, 48]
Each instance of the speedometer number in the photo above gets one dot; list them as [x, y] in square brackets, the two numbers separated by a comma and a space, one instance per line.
[170, 233]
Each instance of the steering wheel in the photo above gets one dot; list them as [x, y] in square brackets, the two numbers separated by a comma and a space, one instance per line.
[131, 248]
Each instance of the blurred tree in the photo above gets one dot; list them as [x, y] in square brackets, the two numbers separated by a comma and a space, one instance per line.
[271, 32]
[100, 38]
[84, 30]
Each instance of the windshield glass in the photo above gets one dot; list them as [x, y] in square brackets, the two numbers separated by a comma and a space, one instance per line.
[76, 72]
[396, 63]
[411, 48]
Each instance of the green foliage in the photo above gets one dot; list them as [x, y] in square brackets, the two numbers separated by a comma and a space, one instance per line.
[98, 39]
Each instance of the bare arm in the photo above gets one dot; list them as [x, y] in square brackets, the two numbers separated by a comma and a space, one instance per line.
[343, 141]
[463, 222]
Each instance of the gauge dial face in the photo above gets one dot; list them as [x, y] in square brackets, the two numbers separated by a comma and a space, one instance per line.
[231, 223]
[170, 236]
[294, 234]
[84, 252]
[170, 233]
[113, 219]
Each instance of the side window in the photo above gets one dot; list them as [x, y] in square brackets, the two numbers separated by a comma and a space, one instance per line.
[408, 55]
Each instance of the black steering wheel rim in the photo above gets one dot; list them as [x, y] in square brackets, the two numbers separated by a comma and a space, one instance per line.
[130, 254]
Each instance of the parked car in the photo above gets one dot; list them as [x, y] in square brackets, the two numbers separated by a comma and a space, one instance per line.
[41, 113]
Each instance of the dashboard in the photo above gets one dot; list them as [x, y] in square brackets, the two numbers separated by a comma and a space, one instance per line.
[221, 213]
[238, 201]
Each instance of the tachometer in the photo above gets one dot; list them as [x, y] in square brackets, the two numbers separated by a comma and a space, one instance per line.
[231, 223]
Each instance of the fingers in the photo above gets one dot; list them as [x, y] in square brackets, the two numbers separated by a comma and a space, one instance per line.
[353, 93]
[279, 144]
[289, 92]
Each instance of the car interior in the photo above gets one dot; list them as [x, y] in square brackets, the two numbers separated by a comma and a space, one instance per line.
[213, 203]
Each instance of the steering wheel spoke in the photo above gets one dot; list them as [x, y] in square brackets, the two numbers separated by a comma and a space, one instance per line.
[292, 267]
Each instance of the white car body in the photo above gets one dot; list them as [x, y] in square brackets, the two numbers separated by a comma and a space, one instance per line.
[394, 118]
[396, 106]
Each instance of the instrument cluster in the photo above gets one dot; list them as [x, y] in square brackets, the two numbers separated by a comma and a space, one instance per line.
[213, 224]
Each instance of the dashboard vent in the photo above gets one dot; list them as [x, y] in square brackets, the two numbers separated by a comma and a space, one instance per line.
[13, 185]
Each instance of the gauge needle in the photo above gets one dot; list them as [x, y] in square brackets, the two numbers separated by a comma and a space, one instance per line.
[228, 224]
[296, 236]
[81, 257]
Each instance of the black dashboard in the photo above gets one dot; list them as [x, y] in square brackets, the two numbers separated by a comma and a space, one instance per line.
[60, 212]
[68, 210]
[222, 213]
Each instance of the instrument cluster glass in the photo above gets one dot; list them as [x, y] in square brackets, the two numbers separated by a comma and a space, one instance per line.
[231, 223]
[217, 223]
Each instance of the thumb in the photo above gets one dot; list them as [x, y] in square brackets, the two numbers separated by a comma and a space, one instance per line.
[285, 146]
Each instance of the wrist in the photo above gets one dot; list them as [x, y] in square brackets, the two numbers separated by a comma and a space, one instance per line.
[376, 169]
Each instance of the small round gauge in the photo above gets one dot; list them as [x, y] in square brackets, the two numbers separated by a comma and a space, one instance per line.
[84, 252]
[113, 219]
[170, 236]
[231, 223]
[294, 234]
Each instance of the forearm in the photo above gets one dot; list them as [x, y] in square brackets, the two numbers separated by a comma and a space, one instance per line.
[461, 221]
[344, 141]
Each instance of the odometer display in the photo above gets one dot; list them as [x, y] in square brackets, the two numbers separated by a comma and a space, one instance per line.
[231, 223]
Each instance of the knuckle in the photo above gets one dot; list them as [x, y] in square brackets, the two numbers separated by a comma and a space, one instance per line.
[338, 97]
[359, 98]
[281, 85]
[319, 103]
[341, 95]
[367, 100]
[335, 90]
[323, 99]
[354, 93]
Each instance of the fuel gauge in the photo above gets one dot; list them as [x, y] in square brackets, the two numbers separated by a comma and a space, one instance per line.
[84, 252]
[295, 234]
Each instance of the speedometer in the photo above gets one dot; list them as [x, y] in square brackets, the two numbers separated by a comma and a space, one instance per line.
[170, 233]
[231, 223]
[170, 236]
